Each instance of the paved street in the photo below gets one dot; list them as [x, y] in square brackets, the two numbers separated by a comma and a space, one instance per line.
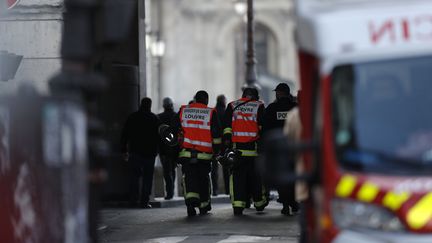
[170, 225]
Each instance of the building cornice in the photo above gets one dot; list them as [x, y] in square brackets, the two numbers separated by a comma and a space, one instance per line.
[211, 9]
[39, 3]
[37, 9]
[227, 5]
[30, 10]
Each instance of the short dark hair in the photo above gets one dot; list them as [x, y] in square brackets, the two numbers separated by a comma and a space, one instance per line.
[167, 103]
[221, 99]
[146, 103]
[283, 87]
[251, 93]
[202, 97]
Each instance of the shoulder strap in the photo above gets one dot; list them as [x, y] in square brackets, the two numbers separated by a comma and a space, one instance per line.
[243, 103]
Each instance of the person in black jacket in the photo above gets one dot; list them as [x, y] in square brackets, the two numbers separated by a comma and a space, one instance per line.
[139, 141]
[220, 109]
[276, 112]
[168, 154]
[275, 115]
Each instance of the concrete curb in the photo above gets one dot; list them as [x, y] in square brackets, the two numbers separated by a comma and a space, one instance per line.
[160, 202]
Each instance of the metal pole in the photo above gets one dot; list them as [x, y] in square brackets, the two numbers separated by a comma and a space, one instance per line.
[142, 54]
[251, 75]
[159, 57]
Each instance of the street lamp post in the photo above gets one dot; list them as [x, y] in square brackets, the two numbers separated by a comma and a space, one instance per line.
[251, 74]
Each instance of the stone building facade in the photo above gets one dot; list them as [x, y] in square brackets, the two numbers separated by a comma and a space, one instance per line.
[204, 47]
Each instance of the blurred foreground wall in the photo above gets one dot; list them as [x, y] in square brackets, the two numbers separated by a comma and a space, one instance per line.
[33, 29]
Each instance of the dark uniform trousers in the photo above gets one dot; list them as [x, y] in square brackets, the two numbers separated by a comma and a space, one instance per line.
[215, 176]
[196, 183]
[246, 182]
[287, 193]
[169, 168]
[287, 196]
[141, 167]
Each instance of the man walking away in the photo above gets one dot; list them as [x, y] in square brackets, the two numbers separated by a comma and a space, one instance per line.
[139, 141]
[275, 116]
[168, 154]
[201, 132]
[220, 108]
[243, 121]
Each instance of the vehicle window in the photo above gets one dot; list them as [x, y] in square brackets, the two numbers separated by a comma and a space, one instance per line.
[381, 113]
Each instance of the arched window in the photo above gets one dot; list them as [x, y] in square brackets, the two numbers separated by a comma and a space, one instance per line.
[266, 47]
[265, 50]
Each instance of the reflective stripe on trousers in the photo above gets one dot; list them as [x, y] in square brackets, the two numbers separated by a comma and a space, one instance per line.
[264, 199]
[240, 204]
[192, 195]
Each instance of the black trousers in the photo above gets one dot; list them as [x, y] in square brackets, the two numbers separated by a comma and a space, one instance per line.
[141, 167]
[196, 183]
[169, 173]
[287, 193]
[226, 174]
[246, 182]
[287, 196]
[215, 177]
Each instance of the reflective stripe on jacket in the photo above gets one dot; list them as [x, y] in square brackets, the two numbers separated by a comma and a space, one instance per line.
[195, 120]
[244, 124]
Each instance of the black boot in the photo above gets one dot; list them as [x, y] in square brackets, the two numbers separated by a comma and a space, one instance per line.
[261, 208]
[191, 211]
[248, 203]
[238, 211]
[205, 210]
[286, 210]
[294, 208]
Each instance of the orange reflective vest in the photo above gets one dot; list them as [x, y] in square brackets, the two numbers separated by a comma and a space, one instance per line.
[245, 128]
[196, 123]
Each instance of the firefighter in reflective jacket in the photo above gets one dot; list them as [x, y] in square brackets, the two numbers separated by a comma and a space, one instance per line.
[243, 120]
[201, 132]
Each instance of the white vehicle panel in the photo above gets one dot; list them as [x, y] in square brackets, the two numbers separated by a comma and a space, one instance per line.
[348, 31]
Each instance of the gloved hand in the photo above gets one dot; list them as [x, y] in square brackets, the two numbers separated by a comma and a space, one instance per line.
[229, 157]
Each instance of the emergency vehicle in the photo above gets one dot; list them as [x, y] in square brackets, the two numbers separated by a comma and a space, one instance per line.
[366, 98]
